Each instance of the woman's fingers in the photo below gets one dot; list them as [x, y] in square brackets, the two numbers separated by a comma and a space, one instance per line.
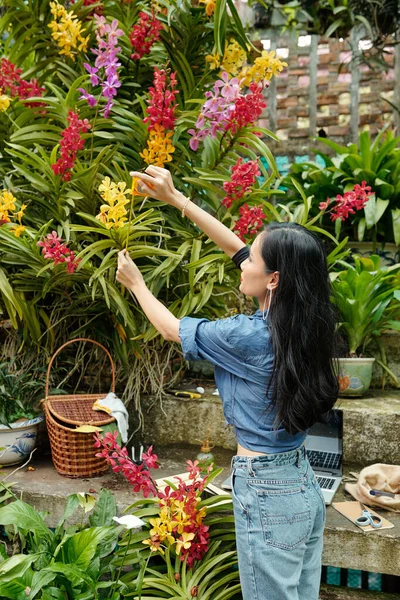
[142, 176]
[151, 169]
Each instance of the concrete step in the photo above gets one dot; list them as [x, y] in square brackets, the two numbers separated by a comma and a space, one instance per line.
[371, 425]
[334, 592]
[345, 544]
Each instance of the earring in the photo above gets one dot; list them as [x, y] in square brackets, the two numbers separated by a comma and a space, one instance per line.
[265, 314]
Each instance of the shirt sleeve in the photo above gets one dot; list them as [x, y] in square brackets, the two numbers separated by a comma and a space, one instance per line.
[214, 341]
[241, 255]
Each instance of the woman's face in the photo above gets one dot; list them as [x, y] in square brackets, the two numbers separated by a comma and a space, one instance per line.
[254, 280]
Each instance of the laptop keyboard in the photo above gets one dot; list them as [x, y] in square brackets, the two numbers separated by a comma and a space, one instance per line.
[325, 482]
[324, 460]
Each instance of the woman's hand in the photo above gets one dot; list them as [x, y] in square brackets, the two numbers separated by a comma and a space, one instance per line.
[128, 274]
[157, 183]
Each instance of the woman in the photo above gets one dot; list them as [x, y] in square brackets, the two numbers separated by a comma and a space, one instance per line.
[275, 377]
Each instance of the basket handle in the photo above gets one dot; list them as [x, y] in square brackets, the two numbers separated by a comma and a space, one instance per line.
[72, 342]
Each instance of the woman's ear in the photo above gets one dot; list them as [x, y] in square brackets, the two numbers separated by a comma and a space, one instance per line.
[274, 281]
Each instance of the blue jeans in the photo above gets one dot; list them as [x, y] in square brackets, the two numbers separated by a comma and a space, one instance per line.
[279, 519]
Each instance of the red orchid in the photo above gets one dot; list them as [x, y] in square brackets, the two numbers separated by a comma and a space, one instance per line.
[162, 105]
[144, 34]
[242, 178]
[349, 203]
[70, 144]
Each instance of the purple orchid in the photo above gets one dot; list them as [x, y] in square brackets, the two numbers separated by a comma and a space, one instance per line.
[216, 110]
[91, 100]
[105, 70]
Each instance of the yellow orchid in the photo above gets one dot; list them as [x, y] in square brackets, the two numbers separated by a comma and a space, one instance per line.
[264, 68]
[68, 31]
[4, 102]
[21, 212]
[17, 230]
[184, 542]
[159, 147]
[214, 60]
[162, 529]
[234, 57]
[113, 213]
[155, 544]
[210, 6]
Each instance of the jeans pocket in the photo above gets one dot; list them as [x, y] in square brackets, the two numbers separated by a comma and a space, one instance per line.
[235, 496]
[285, 517]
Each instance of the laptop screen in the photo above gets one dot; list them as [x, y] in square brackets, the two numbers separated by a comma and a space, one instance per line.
[326, 437]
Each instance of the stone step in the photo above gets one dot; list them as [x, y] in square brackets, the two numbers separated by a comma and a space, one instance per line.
[345, 545]
[371, 428]
[335, 592]
[371, 425]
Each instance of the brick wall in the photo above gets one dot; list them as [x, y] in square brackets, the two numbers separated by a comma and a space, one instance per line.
[295, 102]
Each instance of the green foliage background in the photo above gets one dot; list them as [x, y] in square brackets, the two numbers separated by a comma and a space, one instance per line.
[181, 266]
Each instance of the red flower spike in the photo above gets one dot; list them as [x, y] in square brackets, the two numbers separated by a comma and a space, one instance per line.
[247, 109]
[250, 221]
[242, 179]
[162, 105]
[70, 144]
[349, 203]
[144, 35]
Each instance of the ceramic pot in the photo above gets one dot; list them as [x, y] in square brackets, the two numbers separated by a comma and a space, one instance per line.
[355, 376]
[18, 441]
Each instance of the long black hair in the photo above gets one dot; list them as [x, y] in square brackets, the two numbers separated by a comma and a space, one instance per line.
[302, 323]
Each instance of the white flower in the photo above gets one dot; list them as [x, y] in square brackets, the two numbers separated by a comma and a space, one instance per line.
[130, 521]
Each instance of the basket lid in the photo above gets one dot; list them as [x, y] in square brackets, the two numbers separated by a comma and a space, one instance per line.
[77, 410]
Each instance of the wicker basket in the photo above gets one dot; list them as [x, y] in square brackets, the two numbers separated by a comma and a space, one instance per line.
[73, 452]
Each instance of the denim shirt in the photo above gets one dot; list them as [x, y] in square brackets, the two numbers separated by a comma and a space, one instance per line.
[240, 348]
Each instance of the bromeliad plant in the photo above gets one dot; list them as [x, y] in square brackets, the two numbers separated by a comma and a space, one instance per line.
[93, 91]
[368, 300]
[189, 550]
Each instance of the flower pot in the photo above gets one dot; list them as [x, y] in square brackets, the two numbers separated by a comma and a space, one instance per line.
[355, 376]
[17, 442]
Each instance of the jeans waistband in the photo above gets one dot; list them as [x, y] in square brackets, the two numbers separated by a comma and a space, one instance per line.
[281, 458]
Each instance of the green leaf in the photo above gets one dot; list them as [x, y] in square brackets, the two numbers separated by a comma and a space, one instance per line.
[80, 548]
[220, 26]
[24, 517]
[333, 27]
[105, 509]
[16, 566]
[396, 225]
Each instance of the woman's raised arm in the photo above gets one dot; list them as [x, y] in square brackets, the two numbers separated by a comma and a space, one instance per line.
[157, 183]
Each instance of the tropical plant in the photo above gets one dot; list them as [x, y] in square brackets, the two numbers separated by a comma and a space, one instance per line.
[89, 561]
[67, 562]
[20, 391]
[72, 130]
[375, 161]
[188, 542]
[368, 300]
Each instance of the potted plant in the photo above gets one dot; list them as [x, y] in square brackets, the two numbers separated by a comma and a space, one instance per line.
[368, 299]
[20, 392]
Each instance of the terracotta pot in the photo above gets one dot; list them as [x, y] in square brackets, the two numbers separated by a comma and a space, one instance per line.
[355, 376]
[18, 441]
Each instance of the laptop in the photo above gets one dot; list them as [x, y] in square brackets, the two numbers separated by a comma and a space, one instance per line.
[324, 447]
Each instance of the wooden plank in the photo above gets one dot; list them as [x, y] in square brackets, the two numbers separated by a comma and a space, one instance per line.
[312, 98]
[355, 37]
